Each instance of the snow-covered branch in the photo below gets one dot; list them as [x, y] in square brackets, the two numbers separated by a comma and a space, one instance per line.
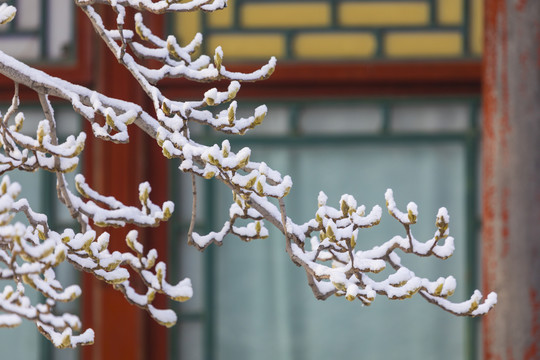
[326, 246]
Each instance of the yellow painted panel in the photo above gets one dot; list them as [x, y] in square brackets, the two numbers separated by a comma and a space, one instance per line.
[285, 14]
[248, 46]
[477, 27]
[420, 45]
[375, 13]
[186, 25]
[450, 12]
[334, 46]
[221, 18]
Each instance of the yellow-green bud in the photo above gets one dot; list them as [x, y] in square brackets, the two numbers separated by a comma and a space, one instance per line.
[412, 217]
[167, 214]
[139, 31]
[242, 163]
[344, 208]
[150, 262]
[329, 231]
[86, 245]
[287, 190]
[259, 119]
[66, 341]
[80, 190]
[340, 286]
[41, 134]
[218, 60]
[143, 196]
[231, 115]
[212, 160]
[151, 295]
[8, 295]
[181, 298]
[171, 49]
[251, 182]
[260, 188]
[26, 279]
[166, 109]
[60, 257]
[113, 265]
[19, 122]
[232, 94]
[258, 227]
[474, 306]
[8, 18]
[166, 153]
[78, 149]
[110, 121]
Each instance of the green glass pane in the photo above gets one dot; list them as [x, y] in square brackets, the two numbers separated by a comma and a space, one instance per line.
[265, 309]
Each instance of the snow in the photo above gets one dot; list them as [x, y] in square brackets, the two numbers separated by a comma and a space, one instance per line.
[335, 263]
[443, 214]
[203, 241]
[66, 338]
[394, 211]
[180, 292]
[165, 317]
[322, 199]
[141, 300]
[10, 320]
[131, 239]
[7, 13]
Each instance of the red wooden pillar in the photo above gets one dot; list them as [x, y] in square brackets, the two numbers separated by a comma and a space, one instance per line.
[123, 331]
[511, 178]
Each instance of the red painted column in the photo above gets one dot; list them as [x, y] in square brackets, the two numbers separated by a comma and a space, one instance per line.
[123, 331]
[511, 178]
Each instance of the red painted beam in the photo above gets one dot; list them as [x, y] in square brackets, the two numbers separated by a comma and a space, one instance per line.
[348, 79]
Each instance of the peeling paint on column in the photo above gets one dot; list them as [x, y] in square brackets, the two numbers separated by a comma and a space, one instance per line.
[511, 178]
[533, 352]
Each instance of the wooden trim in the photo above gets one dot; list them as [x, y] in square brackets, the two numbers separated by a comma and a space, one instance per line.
[78, 71]
[347, 79]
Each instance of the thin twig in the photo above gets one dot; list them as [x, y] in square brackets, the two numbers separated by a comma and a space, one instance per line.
[193, 210]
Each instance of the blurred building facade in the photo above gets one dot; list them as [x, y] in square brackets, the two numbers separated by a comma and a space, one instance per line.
[367, 95]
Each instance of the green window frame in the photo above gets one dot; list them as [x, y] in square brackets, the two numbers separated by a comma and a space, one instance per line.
[467, 137]
[49, 50]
